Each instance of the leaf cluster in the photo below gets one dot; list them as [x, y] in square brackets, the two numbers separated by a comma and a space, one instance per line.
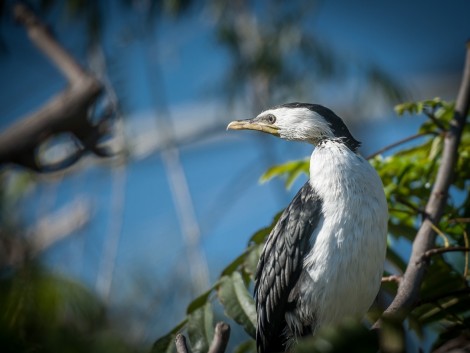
[232, 291]
[44, 312]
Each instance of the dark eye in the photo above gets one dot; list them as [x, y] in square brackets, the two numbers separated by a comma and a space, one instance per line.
[270, 118]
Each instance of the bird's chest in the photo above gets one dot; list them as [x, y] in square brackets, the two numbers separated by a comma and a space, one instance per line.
[347, 251]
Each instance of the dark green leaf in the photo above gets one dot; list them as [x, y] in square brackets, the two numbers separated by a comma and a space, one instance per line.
[166, 343]
[199, 301]
[246, 347]
[261, 235]
[234, 265]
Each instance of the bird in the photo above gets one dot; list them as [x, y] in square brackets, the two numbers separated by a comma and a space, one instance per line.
[323, 260]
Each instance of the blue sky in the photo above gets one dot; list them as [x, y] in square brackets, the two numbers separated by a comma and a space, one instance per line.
[420, 43]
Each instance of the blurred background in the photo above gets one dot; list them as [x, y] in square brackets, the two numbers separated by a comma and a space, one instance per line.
[130, 239]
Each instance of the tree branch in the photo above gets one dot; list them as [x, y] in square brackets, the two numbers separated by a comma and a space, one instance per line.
[42, 38]
[398, 143]
[218, 344]
[221, 337]
[180, 342]
[67, 112]
[437, 251]
[410, 284]
[392, 278]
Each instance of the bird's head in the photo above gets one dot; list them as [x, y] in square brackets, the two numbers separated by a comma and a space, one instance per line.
[311, 123]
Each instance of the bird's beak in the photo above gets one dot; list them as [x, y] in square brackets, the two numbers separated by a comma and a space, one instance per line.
[251, 124]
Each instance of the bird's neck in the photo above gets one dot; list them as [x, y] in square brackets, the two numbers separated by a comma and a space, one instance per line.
[334, 167]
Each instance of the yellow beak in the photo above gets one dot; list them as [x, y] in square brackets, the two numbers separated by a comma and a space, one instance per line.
[253, 125]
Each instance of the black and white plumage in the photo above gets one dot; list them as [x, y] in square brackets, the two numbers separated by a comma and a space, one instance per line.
[323, 261]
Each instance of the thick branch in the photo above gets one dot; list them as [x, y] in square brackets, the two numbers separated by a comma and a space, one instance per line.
[408, 289]
[65, 112]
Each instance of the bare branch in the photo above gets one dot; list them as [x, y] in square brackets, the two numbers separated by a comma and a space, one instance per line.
[180, 342]
[391, 278]
[221, 337]
[41, 37]
[408, 289]
[398, 143]
[428, 254]
[67, 112]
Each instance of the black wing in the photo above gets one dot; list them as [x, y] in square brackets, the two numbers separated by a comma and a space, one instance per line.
[280, 266]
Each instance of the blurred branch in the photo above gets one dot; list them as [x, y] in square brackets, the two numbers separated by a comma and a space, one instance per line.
[392, 278]
[218, 344]
[50, 229]
[59, 225]
[408, 290]
[67, 112]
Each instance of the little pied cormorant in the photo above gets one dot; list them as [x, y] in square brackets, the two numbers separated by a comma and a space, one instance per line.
[323, 261]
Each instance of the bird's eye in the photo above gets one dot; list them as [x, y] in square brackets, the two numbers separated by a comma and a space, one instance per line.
[270, 118]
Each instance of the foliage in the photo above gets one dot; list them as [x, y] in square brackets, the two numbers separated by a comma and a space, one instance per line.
[42, 312]
[408, 175]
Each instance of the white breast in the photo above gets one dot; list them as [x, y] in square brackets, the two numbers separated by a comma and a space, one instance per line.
[345, 264]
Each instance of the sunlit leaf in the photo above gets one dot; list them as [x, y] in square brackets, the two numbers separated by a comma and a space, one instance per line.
[251, 261]
[201, 328]
[237, 302]
[290, 171]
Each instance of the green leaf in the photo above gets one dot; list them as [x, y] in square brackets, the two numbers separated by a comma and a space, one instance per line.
[252, 258]
[166, 343]
[290, 170]
[349, 336]
[246, 347]
[260, 236]
[201, 328]
[237, 302]
[234, 265]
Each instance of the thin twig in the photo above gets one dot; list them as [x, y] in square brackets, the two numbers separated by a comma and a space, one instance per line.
[467, 244]
[439, 297]
[221, 337]
[408, 290]
[428, 254]
[432, 117]
[459, 220]
[411, 206]
[391, 278]
[400, 142]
